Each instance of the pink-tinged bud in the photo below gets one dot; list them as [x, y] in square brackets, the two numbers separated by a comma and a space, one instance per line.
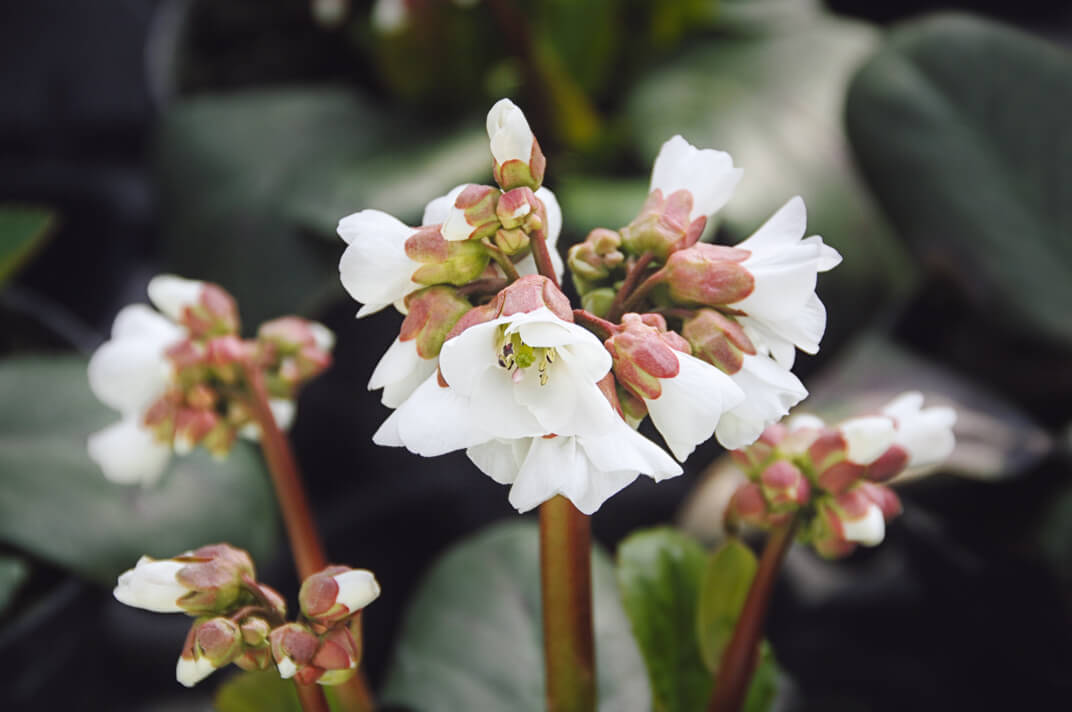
[718, 339]
[862, 520]
[826, 532]
[634, 409]
[608, 386]
[883, 497]
[515, 206]
[201, 397]
[748, 506]
[834, 472]
[643, 355]
[214, 576]
[253, 659]
[191, 427]
[596, 257]
[336, 593]
[598, 301]
[888, 465]
[519, 162]
[160, 416]
[444, 262]
[663, 226]
[293, 648]
[337, 658]
[530, 293]
[226, 354]
[205, 309]
[708, 274]
[756, 456]
[432, 314]
[512, 242]
[255, 631]
[473, 215]
[476, 315]
[785, 487]
[185, 355]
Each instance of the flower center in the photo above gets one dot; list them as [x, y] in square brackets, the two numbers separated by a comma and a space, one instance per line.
[516, 356]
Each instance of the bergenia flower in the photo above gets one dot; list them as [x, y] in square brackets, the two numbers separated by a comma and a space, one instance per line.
[515, 150]
[528, 373]
[153, 585]
[770, 390]
[706, 174]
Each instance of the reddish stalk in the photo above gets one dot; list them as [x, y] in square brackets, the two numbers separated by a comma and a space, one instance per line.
[740, 657]
[305, 544]
[632, 278]
[566, 594]
[642, 291]
[542, 256]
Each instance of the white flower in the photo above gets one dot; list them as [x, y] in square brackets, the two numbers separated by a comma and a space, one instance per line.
[357, 589]
[783, 311]
[375, 268]
[400, 371]
[152, 585]
[769, 392]
[389, 17]
[129, 372]
[189, 672]
[869, 530]
[520, 378]
[172, 295]
[707, 174]
[866, 438]
[692, 403]
[509, 133]
[926, 435]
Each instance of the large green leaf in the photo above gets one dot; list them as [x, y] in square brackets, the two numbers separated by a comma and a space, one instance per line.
[22, 230]
[262, 691]
[246, 176]
[56, 504]
[774, 101]
[659, 573]
[964, 127]
[472, 638]
[13, 573]
[726, 581]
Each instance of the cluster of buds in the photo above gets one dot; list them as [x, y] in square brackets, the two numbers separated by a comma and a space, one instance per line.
[180, 377]
[835, 477]
[242, 621]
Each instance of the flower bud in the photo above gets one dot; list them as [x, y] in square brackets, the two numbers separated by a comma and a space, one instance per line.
[432, 313]
[473, 215]
[530, 293]
[204, 309]
[717, 339]
[784, 486]
[708, 274]
[748, 506]
[861, 519]
[214, 577]
[634, 409]
[191, 427]
[519, 162]
[596, 257]
[334, 594]
[153, 585]
[293, 647]
[663, 225]
[338, 656]
[643, 355]
[515, 206]
[826, 532]
[512, 242]
[211, 644]
[442, 261]
[841, 455]
[598, 301]
[756, 456]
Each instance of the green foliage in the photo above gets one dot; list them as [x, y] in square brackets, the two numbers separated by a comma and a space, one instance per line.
[13, 573]
[22, 230]
[589, 202]
[263, 691]
[727, 578]
[472, 638]
[962, 126]
[56, 504]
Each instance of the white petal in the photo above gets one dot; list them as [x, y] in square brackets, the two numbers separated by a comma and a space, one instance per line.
[802, 421]
[622, 448]
[374, 268]
[433, 421]
[287, 668]
[509, 133]
[769, 390]
[869, 531]
[464, 358]
[500, 459]
[140, 322]
[400, 371]
[357, 588]
[151, 585]
[554, 218]
[549, 467]
[905, 406]
[435, 213]
[189, 672]
[782, 229]
[927, 434]
[867, 438]
[456, 228]
[829, 258]
[128, 453]
[322, 335]
[128, 374]
[691, 404]
[171, 294]
[804, 330]
[708, 174]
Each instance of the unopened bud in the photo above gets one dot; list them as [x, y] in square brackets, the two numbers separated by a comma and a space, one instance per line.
[596, 257]
[473, 214]
[432, 314]
[204, 309]
[191, 427]
[718, 339]
[784, 486]
[519, 162]
[293, 647]
[336, 593]
[663, 225]
[338, 656]
[755, 457]
[530, 293]
[861, 519]
[214, 577]
[515, 206]
[598, 301]
[512, 242]
[708, 274]
[748, 506]
[445, 262]
[643, 355]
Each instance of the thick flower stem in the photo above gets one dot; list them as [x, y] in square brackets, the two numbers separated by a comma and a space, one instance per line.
[542, 256]
[312, 698]
[305, 544]
[566, 590]
[741, 655]
[632, 279]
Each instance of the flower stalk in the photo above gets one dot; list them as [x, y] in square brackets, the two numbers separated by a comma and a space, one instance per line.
[632, 279]
[566, 590]
[739, 659]
[305, 544]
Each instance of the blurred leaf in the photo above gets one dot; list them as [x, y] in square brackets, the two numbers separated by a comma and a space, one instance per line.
[22, 230]
[746, 17]
[244, 174]
[56, 504]
[472, 638]
[659, 574]
[13, 573]
[727, 578]
[774, 102]
[262, 691]
[964, 127]
[589, 202]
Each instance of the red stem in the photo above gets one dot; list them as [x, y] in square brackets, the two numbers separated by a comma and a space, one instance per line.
[566, 591]
[740, 657]
[632, 278]
[542, 256]
[600, 327]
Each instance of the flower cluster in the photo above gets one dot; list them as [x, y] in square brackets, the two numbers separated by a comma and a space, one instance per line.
[239, 620]
[834, 477]
[179, 376]
[492, 359]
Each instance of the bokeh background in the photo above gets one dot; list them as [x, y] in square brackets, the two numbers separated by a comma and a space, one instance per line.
[224, 140]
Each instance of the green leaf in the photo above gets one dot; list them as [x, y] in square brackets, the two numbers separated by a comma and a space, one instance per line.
[246, 176]
[263, 691]
[472, 638]
[660, 573]
[13, 573]
[962, 126]
[22, 230]
[726, 581]
[774, 101]
[56, 504]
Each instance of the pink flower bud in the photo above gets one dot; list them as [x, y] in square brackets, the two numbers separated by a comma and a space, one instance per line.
[826, 532]
[473, 216]
[643, 355]
[191, 427]
[442, 261]
[205, 309]
[596, 257]
[888, 465]
[784, 486]
[664, 225]
[749, 506]
[337, 658]
[518, 158]
[293, 648]
[528, 294]
[336, 593]
[758, 454]
[708, 274]
[432, 314]
[718, 339]
[515, 206]
[214, 576]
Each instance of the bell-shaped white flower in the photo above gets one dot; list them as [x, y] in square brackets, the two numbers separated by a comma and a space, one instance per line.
[375, 268]
[868, 530]
[400, 371]
[153, 585]
[782, 310]
[708, 175]
[129, 372]
[769, 392]
[925, 434]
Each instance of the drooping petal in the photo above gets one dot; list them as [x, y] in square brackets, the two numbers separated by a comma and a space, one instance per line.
[926, 434]
[433, 421]
[708, 174]
[769, 390]
[140, 322]
[400, 371]
[500, 459]
[374, 268]
[869, 530]
[464, 358]
[548, 469]
[804, 330]
[151, 585]
[128, 453]
[189, 672]
[172, 295]
[128, 374]
[437, 210]
[867, 437]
